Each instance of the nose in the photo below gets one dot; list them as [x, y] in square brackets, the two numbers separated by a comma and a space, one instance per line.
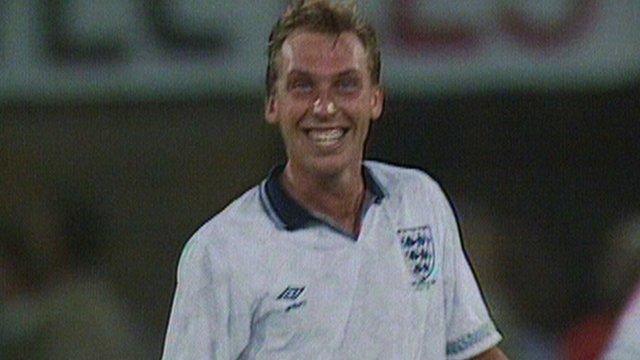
[323, 107]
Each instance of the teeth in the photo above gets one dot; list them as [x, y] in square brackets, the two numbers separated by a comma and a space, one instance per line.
[329, 135]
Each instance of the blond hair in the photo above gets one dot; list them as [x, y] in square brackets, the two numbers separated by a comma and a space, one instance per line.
[321, 16]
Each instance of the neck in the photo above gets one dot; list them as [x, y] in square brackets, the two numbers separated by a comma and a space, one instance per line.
[336, 196]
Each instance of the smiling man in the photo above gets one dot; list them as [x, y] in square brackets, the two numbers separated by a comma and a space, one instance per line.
[331, 256]
[324, 103]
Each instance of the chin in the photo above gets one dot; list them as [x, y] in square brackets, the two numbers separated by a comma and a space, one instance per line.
[329, 165]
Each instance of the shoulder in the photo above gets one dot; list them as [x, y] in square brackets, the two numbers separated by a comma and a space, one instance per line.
[416, 199]
[228, 234]
[405, 180]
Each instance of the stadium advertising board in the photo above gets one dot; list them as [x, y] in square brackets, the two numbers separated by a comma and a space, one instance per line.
[92, 50]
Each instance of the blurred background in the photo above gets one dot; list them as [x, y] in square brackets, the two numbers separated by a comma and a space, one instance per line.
[125, 125]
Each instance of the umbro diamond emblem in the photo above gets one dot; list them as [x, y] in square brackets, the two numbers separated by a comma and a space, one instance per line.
[291, 293]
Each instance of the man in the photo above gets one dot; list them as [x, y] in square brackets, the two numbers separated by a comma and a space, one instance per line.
[331, 257]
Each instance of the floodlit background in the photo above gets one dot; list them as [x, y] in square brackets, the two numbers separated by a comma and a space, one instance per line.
[125, 125]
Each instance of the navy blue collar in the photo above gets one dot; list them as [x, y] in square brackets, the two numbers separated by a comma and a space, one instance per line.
[292, 214]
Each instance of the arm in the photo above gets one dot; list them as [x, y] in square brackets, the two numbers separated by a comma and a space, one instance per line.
[470, 329]
[492, 354]
[209, 318]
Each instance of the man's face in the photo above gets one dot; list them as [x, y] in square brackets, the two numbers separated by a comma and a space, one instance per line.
[324, 101]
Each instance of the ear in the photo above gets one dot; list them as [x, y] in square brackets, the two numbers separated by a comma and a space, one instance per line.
[377, 103]
[271, 109]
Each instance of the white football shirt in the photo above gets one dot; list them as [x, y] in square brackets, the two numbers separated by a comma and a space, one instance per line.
[264, 279]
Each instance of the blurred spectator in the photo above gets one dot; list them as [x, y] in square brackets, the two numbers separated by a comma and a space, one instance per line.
[618, 269]
[625, 343]
[489, 240]
[52, 306]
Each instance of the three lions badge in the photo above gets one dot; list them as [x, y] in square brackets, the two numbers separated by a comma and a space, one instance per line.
[419, 254]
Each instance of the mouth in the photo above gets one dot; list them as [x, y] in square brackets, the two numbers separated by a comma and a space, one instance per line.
[326, 137]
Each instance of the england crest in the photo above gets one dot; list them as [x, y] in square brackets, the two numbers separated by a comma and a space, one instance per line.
[419, 254]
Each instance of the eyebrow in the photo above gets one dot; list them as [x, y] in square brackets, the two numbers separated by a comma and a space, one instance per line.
[348, 72]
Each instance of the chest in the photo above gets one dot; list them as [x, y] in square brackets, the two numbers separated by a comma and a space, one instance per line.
[340, 295]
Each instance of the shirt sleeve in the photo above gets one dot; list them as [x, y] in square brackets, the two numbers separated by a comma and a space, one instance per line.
[209, 317]
[470, 330]
[626, 340]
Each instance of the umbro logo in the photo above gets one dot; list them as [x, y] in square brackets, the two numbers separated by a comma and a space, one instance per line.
[291, 293]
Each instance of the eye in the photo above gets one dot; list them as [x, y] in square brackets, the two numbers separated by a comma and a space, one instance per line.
[301, 85]
[348, 85]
